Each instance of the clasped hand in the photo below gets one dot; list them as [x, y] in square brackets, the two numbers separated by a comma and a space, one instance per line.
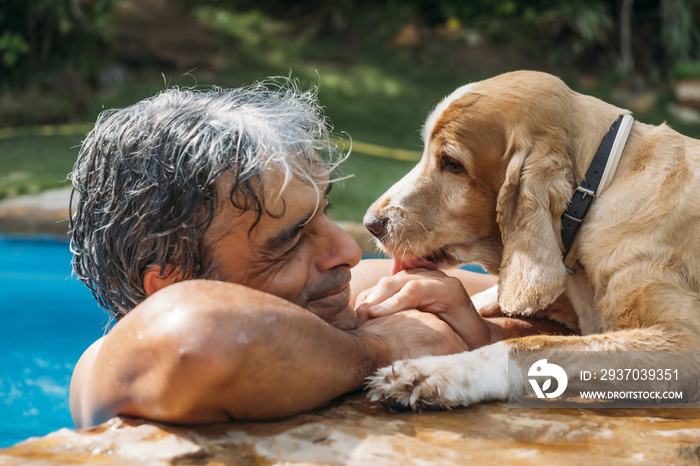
[427, 291]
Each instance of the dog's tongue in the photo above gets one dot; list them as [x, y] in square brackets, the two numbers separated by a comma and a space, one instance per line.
[399, 265]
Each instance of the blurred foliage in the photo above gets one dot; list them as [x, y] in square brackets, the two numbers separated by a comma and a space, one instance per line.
[685, 69]
[680, 34]
[584, 33]
[40, 37]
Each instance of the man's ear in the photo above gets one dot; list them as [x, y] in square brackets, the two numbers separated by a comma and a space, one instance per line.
[154, 280]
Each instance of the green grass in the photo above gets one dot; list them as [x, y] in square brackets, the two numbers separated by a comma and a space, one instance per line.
[31, 164]
[372, 176]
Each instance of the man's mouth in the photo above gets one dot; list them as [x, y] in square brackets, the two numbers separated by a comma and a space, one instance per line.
[337, 294]
[332, 293]
[331, 305]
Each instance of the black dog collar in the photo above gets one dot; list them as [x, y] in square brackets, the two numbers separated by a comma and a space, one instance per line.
[603, 166]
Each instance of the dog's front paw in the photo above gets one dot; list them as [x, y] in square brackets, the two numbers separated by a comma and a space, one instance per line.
[443, 382]
[418, 384]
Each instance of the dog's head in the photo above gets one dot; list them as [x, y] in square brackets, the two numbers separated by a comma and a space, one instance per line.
[496, 174]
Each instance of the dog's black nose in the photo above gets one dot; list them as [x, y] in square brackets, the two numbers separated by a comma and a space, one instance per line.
[376, 225]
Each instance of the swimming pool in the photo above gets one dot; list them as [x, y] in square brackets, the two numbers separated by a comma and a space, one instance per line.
[47, 319]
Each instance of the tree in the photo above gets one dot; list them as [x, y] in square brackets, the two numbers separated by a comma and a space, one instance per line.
[40, 36]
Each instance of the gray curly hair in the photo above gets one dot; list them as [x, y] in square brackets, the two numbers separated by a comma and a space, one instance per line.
[145, 182]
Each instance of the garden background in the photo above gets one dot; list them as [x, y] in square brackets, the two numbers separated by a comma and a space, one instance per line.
[380, 66]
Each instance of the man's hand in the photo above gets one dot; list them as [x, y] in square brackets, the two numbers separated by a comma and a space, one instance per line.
[410, 334]
[428, 291]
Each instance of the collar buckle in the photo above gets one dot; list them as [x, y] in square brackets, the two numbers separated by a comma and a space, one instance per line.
[585, 192]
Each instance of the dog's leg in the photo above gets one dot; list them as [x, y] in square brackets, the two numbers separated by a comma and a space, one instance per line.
[445, 382]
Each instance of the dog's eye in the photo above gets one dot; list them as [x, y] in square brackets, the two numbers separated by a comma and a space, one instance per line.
[451, 165]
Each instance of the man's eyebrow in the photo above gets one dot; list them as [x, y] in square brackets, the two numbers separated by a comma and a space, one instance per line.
[286, 236]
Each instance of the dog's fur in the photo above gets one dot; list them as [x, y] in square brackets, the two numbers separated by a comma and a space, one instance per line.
[501, 161]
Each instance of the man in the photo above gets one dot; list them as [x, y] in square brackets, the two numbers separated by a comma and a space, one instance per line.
[201, 223]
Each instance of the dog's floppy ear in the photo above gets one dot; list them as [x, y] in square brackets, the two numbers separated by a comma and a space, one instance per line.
[530, 203]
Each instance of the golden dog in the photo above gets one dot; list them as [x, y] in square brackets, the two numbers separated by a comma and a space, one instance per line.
[502, 161]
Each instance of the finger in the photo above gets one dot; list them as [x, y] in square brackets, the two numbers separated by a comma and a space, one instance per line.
[413, 295]
[369, 311]
[362, 313]
[386, 287]
[361, 297]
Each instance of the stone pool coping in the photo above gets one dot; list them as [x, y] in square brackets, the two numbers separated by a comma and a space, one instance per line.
[45, 213]
[353, 431]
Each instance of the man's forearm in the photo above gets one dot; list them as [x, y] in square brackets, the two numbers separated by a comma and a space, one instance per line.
[296, 365]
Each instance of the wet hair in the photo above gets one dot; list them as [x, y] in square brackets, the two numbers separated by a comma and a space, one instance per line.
[145, 182]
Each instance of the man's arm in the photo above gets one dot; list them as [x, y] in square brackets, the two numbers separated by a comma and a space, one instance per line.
[201, 351]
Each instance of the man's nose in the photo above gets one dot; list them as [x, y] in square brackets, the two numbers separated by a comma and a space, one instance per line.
[376, 225]
[341, 250]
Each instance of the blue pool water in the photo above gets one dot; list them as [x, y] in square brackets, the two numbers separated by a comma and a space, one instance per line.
[47, 320]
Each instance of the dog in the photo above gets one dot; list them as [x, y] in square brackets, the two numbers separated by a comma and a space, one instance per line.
[503, 160]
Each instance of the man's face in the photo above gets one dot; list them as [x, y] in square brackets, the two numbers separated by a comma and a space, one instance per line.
[298, 254]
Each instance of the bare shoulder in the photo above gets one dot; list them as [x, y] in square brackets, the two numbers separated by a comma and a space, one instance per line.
[78, 383]
[162, 359]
